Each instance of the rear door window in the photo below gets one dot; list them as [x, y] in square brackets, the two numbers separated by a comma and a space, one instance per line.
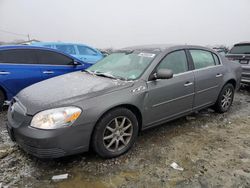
[83, 50]
[16, 56]
[68, 49]
[53, 58]
[202, 58]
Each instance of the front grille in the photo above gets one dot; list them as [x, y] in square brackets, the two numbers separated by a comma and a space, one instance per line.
[246, 70]
[41, 152]
[245, 73]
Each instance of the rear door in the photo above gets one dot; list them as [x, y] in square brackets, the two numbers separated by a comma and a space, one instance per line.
[18, 69]
[168, 98]
[54, 64]
[208, 72]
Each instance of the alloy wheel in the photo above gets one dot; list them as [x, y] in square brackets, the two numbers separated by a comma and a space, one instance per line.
[227, 98]
[117, 134]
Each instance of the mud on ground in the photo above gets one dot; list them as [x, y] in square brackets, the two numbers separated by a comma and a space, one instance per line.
[213, 149]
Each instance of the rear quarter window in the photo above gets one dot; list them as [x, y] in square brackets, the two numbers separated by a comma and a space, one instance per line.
[216, 59]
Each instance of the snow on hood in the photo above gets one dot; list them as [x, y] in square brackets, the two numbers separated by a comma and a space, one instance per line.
[66, 89]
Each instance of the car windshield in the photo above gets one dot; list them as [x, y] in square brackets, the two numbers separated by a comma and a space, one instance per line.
[241, 49]
[123, 65]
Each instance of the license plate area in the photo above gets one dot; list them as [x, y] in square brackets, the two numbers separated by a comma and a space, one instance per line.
[244, 61]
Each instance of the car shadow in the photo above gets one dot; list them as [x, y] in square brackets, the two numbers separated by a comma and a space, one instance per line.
[245, 88]
[170, 129]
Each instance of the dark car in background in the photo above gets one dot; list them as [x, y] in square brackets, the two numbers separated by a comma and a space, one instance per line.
[241, 54]
[21, 66]
[221, 50]
[105, 106]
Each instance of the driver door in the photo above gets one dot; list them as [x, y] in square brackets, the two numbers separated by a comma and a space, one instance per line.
[169, 98]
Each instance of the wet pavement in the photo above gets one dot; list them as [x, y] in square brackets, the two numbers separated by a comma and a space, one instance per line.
[213, 150]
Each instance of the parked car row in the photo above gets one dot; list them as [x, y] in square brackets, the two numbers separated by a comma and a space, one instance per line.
[221, 50]
[79, 51]
[241, 54]
[105, 106]
[21, 66]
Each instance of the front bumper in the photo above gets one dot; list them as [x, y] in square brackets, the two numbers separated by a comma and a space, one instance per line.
[245, 77]
[48, 143]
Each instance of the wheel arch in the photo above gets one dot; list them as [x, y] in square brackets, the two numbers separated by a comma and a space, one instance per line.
[130, 107]
[135, 110]
[4, 92]
[231, 81]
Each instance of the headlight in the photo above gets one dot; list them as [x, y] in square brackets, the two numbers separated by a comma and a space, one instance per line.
[56, 118]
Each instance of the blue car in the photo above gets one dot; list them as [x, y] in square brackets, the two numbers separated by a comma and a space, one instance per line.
[21, 66]
[80, 51]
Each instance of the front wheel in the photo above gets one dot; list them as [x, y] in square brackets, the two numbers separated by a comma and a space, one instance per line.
[115, 133]
[225, 98]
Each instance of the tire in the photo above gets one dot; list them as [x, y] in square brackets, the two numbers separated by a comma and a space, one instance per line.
[225, 99]
[109, 139]
[2, 98]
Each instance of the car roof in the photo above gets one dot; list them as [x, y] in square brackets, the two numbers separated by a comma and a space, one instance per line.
[59, 43]
[243, 43]
[13, 47]
[163, 47]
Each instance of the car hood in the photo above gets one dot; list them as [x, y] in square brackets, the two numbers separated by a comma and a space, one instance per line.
[67, 89]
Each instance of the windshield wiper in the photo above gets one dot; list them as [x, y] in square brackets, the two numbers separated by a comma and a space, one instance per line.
[104, 74]
[88, 71]
[108, 75]
[127, 52]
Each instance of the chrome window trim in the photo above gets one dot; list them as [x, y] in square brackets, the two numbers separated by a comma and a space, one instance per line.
[187, 72]
[218, 58]
[34, 64]
[209, 67]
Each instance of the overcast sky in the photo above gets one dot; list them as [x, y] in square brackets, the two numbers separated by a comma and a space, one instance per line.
[120, 23]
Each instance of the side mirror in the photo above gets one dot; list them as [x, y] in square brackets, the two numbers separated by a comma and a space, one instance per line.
[162, 74]
[75, 63]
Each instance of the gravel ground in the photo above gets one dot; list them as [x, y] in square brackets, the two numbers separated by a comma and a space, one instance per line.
[213, 150]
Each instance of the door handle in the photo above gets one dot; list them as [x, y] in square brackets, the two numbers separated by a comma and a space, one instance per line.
[188, 84]
[48, 72]
[4, 72]
[218, 75]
